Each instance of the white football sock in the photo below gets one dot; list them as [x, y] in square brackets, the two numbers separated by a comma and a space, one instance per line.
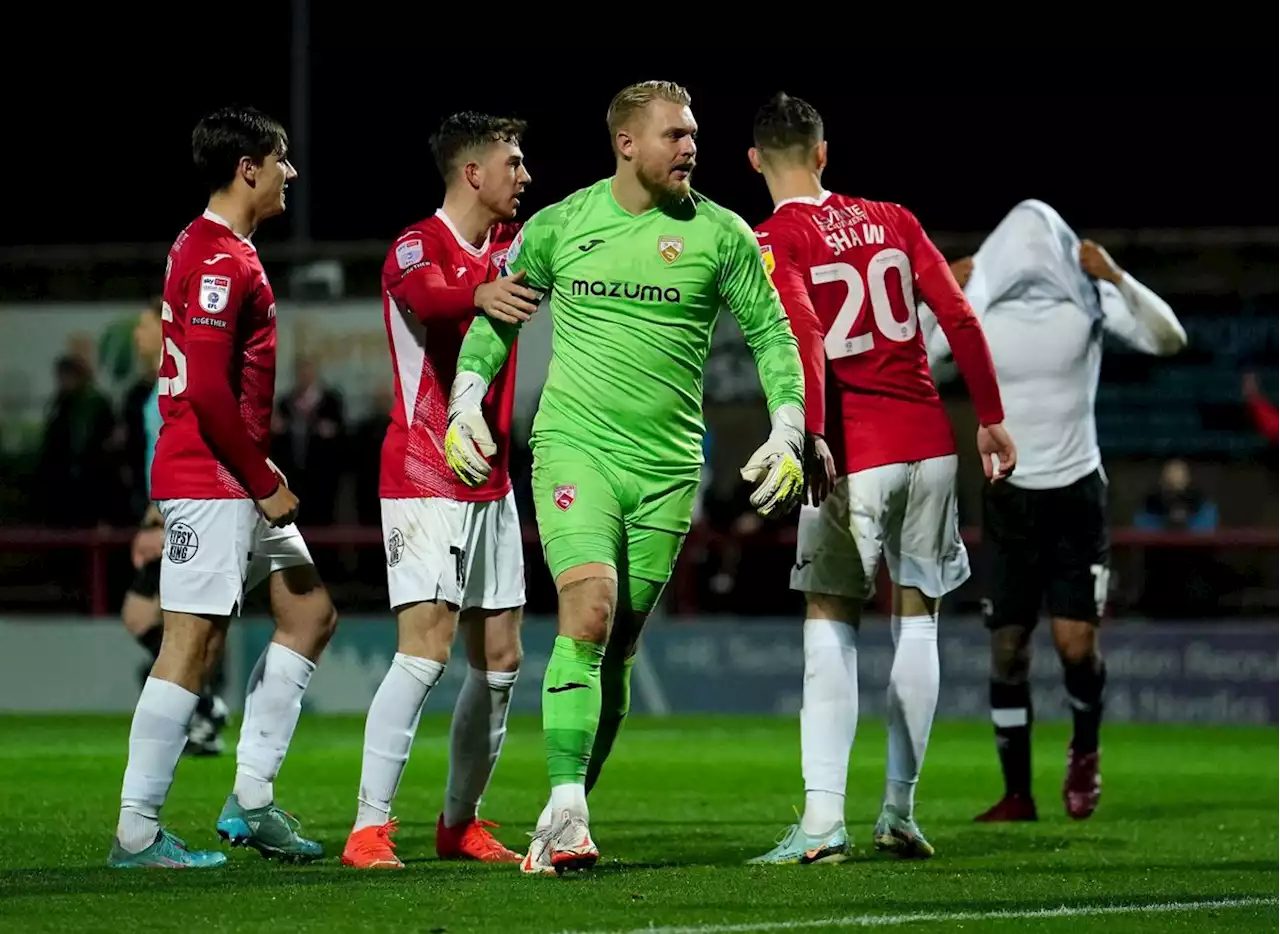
[912, 701]
[828, 720]
[571, 797]
[475, 740]
[156, 741]
[544, 819]
[272, 705]
[388, 734]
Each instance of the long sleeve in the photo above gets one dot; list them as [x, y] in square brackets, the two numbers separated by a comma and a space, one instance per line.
[959, 324]
[1265, 417]
[417, 283]
[751, 298]
[1140, 317]
[217, 413]
[788, 278]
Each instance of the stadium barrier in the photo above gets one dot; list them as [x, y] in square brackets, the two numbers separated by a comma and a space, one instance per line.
[1197, 671]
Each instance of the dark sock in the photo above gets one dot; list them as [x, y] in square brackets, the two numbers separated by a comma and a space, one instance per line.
[150, 640]
[1085, 682]
[1011, 705]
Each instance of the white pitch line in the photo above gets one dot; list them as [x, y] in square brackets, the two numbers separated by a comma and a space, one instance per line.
[875, 921]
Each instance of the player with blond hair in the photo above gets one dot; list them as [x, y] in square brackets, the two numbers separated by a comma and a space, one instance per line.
[638, 266]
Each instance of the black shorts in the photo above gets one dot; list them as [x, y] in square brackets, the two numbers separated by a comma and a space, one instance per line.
[1047, 549]
[146, 582]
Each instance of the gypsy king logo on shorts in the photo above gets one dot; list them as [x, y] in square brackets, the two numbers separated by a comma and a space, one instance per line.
[182, 543]
[564, 495]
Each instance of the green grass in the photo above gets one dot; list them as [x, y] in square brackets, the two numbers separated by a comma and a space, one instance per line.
[1187, 815]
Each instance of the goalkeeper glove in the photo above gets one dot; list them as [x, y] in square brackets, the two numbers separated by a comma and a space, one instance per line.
[467, 442]
[777, 466]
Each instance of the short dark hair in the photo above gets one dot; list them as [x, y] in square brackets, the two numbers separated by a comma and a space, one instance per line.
[786, 122]
[462, 132]
[225, 136]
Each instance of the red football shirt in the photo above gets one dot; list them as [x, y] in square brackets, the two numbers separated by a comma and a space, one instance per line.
[847, 271]
[428, 287]
[217, 374]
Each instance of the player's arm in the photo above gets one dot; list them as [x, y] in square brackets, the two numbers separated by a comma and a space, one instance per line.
[210, 343]
[1130, 310]
[417, 282]
[958, 323]
[777, 466]
[936, 283]
[785, 267]
[485, 348]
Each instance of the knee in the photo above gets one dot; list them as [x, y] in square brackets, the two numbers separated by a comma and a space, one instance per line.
[829, 606]
[503, 655]
[586, 609]
[1076, 642]
[1011, 654]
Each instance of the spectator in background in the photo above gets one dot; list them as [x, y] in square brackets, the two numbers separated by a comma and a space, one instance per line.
[76, 476]
[309, 430]
[1265, 417]
[1177, 505]
[1179, 582]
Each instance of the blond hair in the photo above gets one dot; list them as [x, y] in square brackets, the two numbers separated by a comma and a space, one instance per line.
[636, 97]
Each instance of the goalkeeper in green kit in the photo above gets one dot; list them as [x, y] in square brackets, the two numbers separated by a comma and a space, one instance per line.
[638, 267]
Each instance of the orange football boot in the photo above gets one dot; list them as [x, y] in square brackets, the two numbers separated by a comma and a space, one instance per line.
[371, 848]
[471, 840]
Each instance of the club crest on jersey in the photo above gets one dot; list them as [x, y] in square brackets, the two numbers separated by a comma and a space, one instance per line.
[670, 248]
[766, 257]
[215, 292]
[408, 253]
[499, 259]
[563, 496]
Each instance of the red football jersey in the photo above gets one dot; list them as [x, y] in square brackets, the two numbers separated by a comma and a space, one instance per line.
[847, 271]
[428, 283]
[215, 291]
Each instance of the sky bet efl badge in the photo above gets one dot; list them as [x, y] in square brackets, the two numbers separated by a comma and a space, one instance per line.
[670, 248]
[766, 257]
[214, 293]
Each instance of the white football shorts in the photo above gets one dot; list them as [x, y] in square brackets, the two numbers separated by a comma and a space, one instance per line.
[907, 512]
[466, 554]
[217, 550]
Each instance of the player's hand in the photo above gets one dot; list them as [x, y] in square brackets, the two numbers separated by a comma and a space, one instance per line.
[277, 471]
[1098, 263]
[280, 508]
[468, 445]
[994, 442]
[777, 466]
[962, 269]
[820, 470]
[506, 299]
[148, 544]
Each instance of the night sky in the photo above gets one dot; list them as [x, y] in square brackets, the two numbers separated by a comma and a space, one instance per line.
[1126, 141]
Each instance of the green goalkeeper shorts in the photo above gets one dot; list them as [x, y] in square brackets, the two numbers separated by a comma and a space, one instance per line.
[592, 511]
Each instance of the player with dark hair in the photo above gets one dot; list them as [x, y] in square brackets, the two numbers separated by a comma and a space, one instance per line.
[638, 266]
[140, 611]
[228, 513]
[847, 270]
[455, 554]
[1046, 299]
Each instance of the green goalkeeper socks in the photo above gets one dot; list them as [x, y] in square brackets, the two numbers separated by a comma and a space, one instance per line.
[615, 692]
[571, 708]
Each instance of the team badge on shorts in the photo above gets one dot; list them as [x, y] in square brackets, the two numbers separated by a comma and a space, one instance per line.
[563, 496]
[395, 547]
[182, 544]
[670, 248]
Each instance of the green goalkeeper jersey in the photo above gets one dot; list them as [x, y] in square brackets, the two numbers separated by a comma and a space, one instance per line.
[634, 300]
